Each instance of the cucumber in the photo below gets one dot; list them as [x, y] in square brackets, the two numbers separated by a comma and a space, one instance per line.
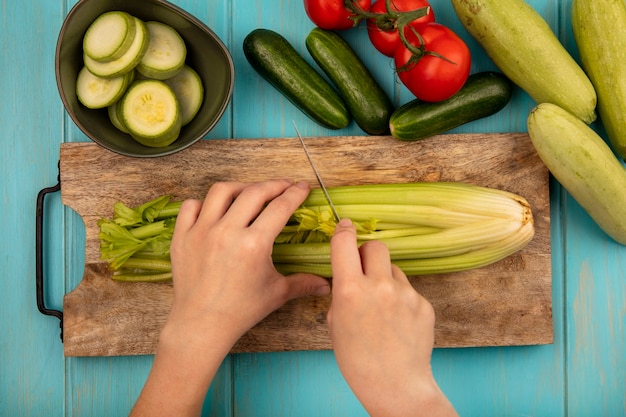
[367, 102]
[126, 62]
[109, 36]
[189, 91]
[276, 60]
[166, 52]
[150, 112]
[484, 94]
[599, 30]
[96, 92]
[584, 164]
[523, 46]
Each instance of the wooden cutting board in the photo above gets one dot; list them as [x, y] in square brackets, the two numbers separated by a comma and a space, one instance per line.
[507, 303]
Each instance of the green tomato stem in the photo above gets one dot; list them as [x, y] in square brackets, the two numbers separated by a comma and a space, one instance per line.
[388, 21]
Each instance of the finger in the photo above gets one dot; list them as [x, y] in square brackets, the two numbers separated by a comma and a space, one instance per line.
[251, 201]
[187, 215]
[302, 285]
[344, 253]
[218, 200]
[186, 219]
[277, 213]
[375, 259]
[398, 274]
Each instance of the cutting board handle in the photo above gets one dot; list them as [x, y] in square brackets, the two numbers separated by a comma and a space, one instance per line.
[39, 254]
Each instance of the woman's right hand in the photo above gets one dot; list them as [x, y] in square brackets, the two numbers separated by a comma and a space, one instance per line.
[382, 331]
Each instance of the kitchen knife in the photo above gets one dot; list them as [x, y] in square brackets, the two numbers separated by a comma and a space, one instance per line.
[317, 175]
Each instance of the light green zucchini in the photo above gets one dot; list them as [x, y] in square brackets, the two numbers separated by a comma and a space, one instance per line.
[110, 36]
[521, 43]
[584, 164]
[115, 118]
[189, 91]
[166, 52]
[600, 32]
[97, 92]
[126, 62]
[151, 113]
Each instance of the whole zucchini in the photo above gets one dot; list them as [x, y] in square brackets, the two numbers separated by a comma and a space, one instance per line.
[483, 94]
[368, 104]
[523, 46]
[600, 32]
[584, 164]
[276, 60]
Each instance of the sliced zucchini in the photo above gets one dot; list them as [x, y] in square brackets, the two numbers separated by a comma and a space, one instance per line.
[97, 92]
[109, 36]
[151, 113]
[189, 91]
[126, 62]
[166, 52]
[115, 120]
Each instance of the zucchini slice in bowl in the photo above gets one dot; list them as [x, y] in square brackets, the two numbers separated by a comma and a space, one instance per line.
[150, 112]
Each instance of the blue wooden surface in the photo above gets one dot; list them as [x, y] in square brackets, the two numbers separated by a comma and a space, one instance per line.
[582, 374]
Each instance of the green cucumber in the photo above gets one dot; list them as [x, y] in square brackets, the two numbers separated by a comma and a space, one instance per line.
[584, 164]
[276, 60]
[599, 30]
[521, 43]
[483, 94]
[151, 113]
[368, 103]
[166, 52]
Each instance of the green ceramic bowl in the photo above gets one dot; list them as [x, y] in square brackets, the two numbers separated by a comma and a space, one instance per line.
[205, 53]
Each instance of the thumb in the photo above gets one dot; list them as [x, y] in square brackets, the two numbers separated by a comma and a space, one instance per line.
[302, 285]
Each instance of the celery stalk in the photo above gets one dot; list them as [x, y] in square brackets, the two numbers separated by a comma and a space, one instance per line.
[436, 265]
[428, 227]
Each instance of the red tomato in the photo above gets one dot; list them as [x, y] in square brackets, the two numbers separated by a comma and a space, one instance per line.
[386, 39]
[332, 14]
[434, 78]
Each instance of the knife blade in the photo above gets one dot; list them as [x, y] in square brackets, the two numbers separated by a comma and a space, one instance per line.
[317, 175]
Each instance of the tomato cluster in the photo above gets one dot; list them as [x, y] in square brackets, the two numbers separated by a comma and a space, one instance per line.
[431, 60]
